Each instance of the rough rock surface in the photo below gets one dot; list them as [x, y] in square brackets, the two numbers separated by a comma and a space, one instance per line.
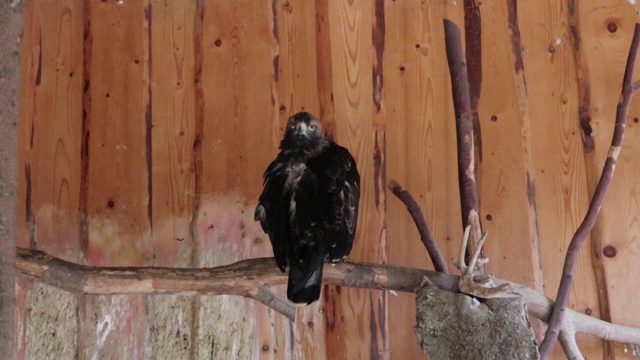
[457, 326]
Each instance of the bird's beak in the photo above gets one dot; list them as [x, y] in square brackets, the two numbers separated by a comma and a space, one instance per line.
[302, 130]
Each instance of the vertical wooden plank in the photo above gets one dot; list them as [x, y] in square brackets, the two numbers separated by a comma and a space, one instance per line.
[119, 195]
[297, 62]
[238, 96]
[118, 155]
[606, 29]
[324, 65]
[356, 319]
[512, 246]
[297, 80]
[51, 109]
[173, 134]
[173, 108]
[419, 136]
[557, 153]
[236, 76]
[49, 158]
[585, 112]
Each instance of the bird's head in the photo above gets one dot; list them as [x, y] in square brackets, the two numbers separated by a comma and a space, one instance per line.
[304, 132]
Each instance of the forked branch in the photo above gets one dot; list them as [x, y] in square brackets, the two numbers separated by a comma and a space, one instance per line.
[560, 308]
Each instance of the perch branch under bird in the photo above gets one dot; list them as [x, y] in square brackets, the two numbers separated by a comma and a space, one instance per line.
[247, 277]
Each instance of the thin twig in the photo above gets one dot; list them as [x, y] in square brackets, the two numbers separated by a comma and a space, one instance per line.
[439, 264]
[244, 278]
[464, 131]
[580, 235]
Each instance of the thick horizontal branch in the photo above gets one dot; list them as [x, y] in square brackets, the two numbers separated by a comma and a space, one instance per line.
[243, 278]
[247, 278]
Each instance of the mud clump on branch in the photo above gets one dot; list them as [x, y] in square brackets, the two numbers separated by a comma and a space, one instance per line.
[457, 326]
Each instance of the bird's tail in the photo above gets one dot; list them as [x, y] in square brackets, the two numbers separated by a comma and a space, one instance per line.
[304, 284]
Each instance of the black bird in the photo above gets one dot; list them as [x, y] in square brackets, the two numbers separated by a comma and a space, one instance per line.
[309, 205]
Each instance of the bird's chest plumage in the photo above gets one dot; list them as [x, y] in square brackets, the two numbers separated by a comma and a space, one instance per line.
[294, 174]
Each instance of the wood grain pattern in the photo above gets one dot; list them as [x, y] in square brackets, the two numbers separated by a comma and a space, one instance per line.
[118, 178]
[297, 64]
[173, 171]
[606, 43]
[173, 95]
[239, 138]
[50, 128]
[324, 65]
[297, 80]
[237, 51]
[49, 162]
[585, 113]
[145, 126]
[554, 108]
[358, 315]
[606, 34]
[418, 136]
[118, 201]
[505, 207]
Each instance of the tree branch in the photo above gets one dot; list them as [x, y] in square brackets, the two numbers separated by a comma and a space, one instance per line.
[583, 230]
[569, 345]
[247, 277]
[266, 296]
[464, 131]
[439, 264]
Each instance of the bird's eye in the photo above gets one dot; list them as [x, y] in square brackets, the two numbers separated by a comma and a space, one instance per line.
[312, 127]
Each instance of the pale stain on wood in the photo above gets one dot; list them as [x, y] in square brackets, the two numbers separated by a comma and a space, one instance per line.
[146, 125]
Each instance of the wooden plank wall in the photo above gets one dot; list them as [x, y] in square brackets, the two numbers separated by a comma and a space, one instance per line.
[146, 125]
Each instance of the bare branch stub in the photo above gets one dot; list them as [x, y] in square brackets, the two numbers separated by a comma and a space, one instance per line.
[439, 264]
[464, 130]
[482, 285]
[559, 309]
[268, 297]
